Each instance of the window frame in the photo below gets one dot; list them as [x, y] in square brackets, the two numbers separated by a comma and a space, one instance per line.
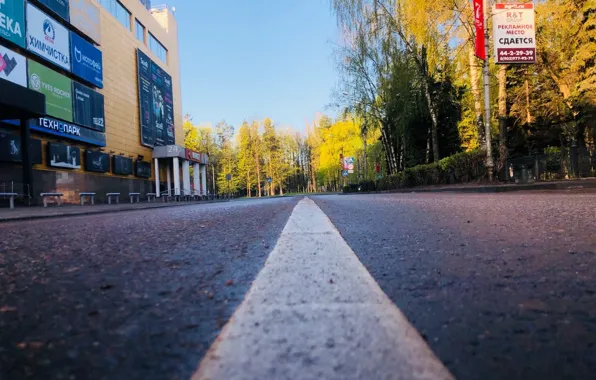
[116, 8]
[142, 28]
[153, 41]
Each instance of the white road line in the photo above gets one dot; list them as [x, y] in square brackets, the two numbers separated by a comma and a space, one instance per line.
[314, 312]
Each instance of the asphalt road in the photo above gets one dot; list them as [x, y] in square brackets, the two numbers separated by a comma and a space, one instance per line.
[501, 286]
[135, 295]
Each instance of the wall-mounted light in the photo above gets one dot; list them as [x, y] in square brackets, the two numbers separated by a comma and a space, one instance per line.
[130, 156]
[102, 149]
[112, 152]
[140, 157]
[122, 154]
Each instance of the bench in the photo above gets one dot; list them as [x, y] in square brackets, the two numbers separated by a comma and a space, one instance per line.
[150, 197]
[132, 197]
[10, 196]
[91, 196]
[45, 197]
[113, 195]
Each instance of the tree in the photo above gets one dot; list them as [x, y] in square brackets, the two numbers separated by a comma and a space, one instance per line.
[227, 159]
[257, 147]
[270, 152]
[246, 163]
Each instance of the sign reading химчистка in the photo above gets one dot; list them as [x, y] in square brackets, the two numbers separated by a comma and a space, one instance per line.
[12, 21]
[47, 38]
[514, 33]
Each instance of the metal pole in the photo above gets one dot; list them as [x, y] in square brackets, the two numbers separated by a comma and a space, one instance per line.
[487, 113]
[26, 158]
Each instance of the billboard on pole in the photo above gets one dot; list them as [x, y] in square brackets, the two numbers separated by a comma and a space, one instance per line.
[514, 33]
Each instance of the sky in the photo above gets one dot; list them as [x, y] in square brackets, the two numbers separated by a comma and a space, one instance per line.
[251, 59]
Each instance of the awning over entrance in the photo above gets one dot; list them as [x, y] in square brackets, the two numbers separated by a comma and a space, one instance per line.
[169, 151]
[173, 156]
[18, 102]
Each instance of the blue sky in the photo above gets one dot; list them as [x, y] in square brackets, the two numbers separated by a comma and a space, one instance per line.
[251, 59]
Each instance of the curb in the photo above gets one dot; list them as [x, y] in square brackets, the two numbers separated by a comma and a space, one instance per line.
[86, 213]
[563, 185]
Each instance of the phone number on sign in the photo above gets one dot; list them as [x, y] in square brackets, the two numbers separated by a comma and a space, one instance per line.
[516, 55]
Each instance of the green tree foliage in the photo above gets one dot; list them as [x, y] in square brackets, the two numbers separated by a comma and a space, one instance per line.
[409, 71]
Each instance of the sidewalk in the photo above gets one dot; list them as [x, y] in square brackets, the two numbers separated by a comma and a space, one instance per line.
[53, 211]
[574, 184]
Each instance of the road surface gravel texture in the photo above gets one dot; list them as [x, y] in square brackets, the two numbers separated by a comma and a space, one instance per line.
[501, 286]
[136, 295]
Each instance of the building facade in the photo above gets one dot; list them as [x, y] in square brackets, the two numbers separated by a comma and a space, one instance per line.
[110, 74]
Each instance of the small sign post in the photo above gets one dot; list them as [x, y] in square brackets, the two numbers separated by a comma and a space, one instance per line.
[228, 179]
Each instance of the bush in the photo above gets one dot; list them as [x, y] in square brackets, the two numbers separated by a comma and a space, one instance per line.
[459, 168]
[365, 186]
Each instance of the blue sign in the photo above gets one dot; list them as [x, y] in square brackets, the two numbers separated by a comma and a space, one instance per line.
[87, 62]
[344, 173]
[68, 131]
[59, 7]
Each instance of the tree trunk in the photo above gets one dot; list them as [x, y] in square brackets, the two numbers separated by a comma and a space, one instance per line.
[432, 109]
[271, 186]
[402, 164]
[564, 158]
[428, 138]
[528, 114]
[583, 160]
[258, 172]
[474, 78]
[213, 179]
[365, 158]
[388, 144]
[502, 164]
[386, 149]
